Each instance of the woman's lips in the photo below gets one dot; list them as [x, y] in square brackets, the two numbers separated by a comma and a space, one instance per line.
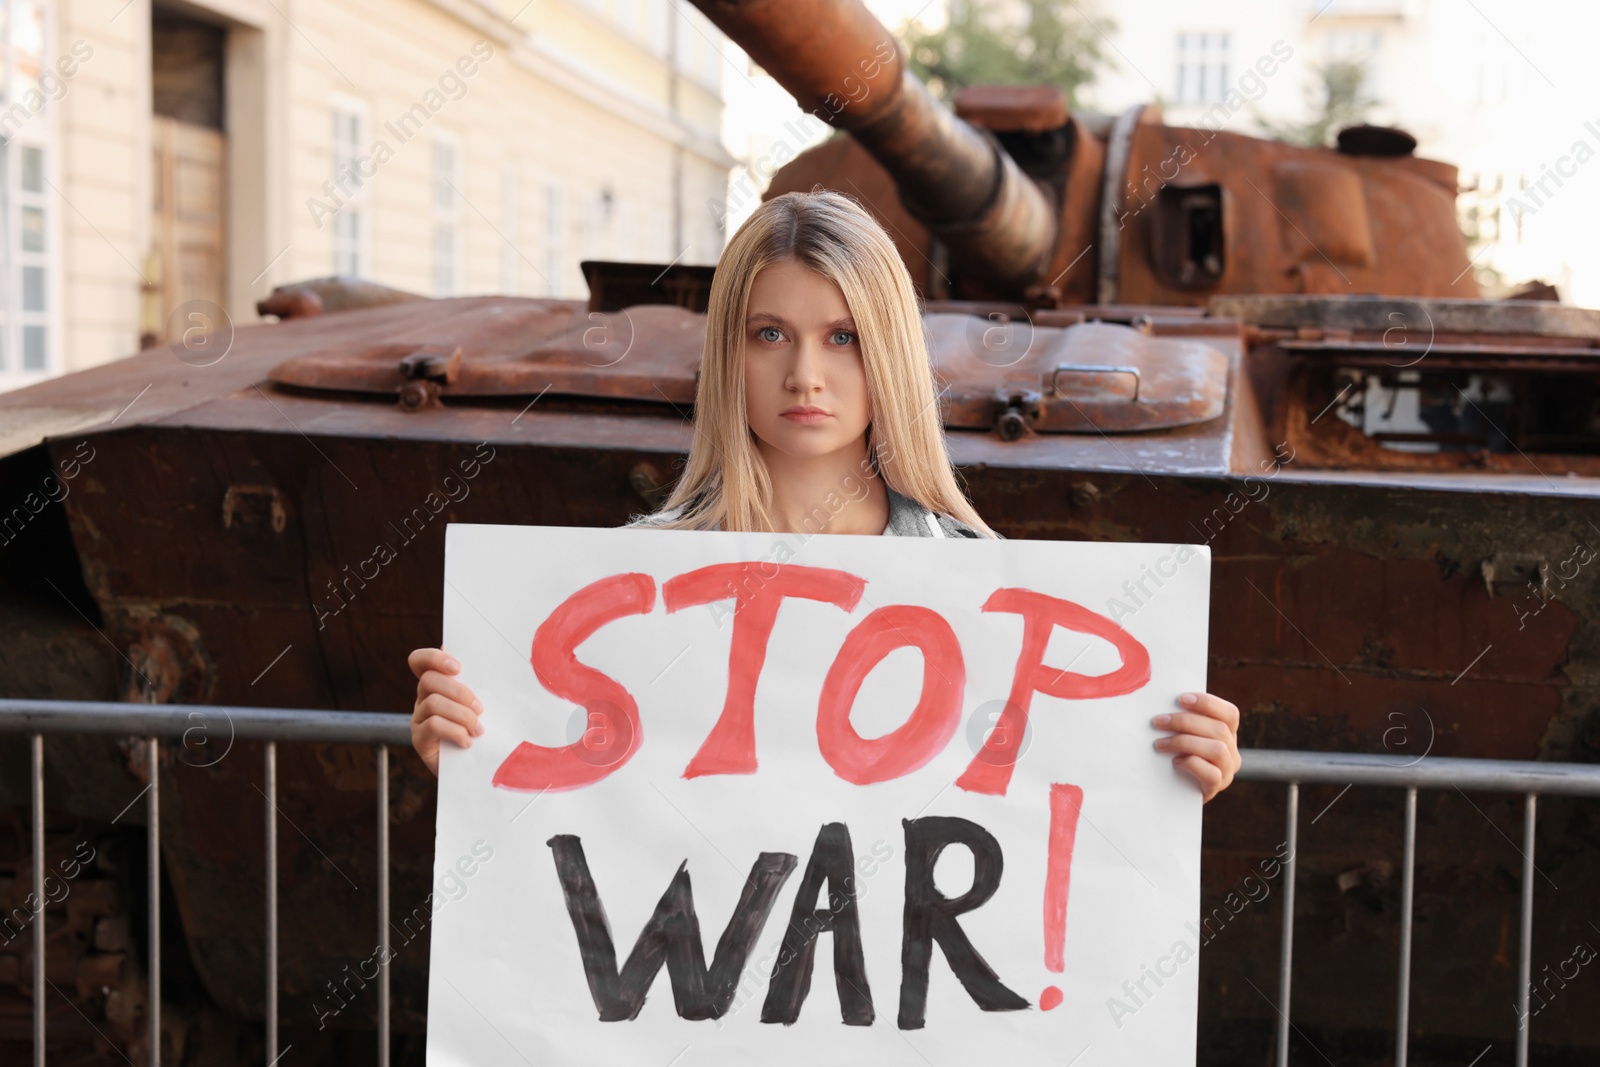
[804, 415]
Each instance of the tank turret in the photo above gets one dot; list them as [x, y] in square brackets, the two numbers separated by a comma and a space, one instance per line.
[1008, 195]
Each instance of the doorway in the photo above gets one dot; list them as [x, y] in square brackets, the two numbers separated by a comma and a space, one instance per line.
[187, 267]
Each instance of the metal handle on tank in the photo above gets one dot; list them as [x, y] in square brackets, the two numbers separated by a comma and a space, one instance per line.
[1095, 368]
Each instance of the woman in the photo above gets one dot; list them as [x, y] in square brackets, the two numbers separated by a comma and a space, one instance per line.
[816, 412]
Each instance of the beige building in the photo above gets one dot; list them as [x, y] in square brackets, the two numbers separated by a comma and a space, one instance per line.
[165, 165]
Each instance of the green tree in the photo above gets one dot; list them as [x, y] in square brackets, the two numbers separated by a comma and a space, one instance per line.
[1341, 99]
[1053, 43]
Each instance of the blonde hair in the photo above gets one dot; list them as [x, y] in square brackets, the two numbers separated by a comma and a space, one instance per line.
[725, 483]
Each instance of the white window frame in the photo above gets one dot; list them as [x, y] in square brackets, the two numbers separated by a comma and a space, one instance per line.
[1203, 66]
[351, 252]
[38, 133]
[444, 202]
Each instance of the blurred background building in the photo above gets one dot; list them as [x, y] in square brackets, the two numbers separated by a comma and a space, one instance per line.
[168, 163]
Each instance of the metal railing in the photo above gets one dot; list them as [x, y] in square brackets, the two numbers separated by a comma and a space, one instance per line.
[1431, 772]
[153, 722]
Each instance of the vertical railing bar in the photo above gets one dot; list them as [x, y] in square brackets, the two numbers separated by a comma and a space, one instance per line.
[383, 906]
[271, 771]
[38, 899]
[154, 850]
[1286, 951]
[1402, 1026]
[153, 837]
[1525, 943]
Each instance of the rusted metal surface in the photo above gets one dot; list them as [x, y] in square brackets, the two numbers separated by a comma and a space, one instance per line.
[1012, 108]
[1335, 608]
[1357, 619]
[318, 295]
[843, 66]
[1158, 214]
[1331, 442]
[1420, 319]
[1019, 377]
[1292, 220]
[514, 347]
[841, 164]
[1508, 386]
[1082, 377]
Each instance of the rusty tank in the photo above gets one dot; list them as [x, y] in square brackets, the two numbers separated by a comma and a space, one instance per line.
[1144, 332]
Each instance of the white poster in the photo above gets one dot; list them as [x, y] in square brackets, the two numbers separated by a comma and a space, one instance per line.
[793, 799]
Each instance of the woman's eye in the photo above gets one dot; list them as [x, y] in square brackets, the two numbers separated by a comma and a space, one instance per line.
[843, 338]
[770, 334]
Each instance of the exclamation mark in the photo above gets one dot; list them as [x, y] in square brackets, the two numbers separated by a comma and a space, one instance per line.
[1065, 803]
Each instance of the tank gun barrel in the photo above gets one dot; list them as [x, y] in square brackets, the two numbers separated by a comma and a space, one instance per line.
[844, 67]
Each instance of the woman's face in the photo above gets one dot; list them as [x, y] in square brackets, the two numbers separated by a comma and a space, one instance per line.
[805, 387]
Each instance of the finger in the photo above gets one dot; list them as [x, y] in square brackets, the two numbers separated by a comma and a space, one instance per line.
[1209, 777]
[436, 706]
[432, 659]
[441, 729]
[1189, 722]
[446, 686]
[427, 749]
[1214, 706]
[440, 707]
[1208, 749]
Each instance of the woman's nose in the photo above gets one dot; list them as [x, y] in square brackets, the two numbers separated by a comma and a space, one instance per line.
[805, 373]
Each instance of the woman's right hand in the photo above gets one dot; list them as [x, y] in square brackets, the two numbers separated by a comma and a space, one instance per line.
[446, 709]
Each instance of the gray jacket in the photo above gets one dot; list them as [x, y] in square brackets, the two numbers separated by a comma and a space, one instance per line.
[907, 518]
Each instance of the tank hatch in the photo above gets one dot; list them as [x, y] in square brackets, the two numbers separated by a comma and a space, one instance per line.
[647, 352]
[1091, 377]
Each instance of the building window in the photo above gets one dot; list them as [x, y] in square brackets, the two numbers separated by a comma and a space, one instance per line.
[446, 216]
[350, 186]
[555, 245]
[30, 274]
[1482, 211]
[28, 300]
[1202, 68]
[1356, 48]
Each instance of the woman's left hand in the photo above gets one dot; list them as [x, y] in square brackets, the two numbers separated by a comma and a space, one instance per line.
[1204, 740]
